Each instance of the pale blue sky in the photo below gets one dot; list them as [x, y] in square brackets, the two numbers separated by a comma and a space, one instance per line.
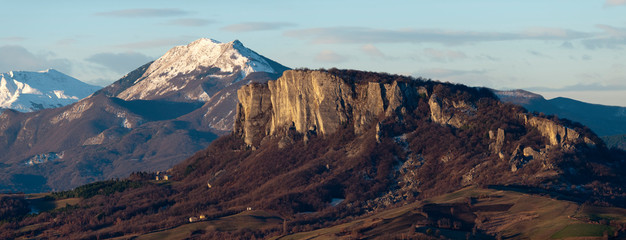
[573, 48]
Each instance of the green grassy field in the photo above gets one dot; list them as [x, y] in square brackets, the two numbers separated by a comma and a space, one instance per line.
[529, 217]
[253, 220]
[583, 230]
[43, 204]
[509, 214]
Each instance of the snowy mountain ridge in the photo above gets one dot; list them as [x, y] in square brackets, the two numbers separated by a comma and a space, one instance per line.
[162, 120]
[183, 66]
[27, 91]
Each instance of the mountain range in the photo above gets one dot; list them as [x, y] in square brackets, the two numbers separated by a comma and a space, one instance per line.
[344, 154]
[150, 119]
[31, 91]
[214, 141]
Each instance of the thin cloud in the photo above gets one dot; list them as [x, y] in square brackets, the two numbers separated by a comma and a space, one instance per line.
[120, 62]
[330, 57]
[12, 39]
[372, 51]
[612, 31]
[190, 22]
[361, 35]
[611, 38]
[144, 12]
[612, 3]
[17, 58]
[444, 55]
[538, 54]
[567, 45]
[256, 26]
[609, 43]
[551, 33]
[488, 57]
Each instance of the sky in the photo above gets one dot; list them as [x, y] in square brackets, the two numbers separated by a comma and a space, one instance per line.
[570, 48]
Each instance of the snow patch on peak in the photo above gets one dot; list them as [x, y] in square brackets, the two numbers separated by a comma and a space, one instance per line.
[61, 95]
[209, 53]
[218, 59]
[29, 91]
[205, 41]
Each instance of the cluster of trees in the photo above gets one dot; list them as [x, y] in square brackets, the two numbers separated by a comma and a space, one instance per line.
[13, 207]
[137, 210]
[98, 188]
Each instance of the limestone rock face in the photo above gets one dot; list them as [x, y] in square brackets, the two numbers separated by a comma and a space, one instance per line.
[303, 103]
[318, 102]
[314, 100]
[496, 147]
[254, 112]
[446, 112]
[498, 136]
[530, 152]
[500, 139]
[558, 135]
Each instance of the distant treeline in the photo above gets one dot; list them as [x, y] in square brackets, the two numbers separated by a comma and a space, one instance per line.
[12, 207]
[98, 188]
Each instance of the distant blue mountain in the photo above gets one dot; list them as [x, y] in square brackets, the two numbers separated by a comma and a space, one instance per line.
[609, 122]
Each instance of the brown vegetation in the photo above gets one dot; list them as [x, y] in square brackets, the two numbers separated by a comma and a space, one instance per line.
[299, 181]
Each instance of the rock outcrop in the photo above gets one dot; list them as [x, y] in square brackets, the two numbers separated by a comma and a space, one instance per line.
[254, 111]
[557, 134]
[497, 138]
[309, 101]
[304, 103]
[314, 102]
[446, 112]
[496, 147]
[319, 102]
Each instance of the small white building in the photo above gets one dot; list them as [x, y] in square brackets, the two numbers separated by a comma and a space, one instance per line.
[162, 176]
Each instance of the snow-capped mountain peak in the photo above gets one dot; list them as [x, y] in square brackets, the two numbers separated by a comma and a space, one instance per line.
[191, 70]
[29, 91]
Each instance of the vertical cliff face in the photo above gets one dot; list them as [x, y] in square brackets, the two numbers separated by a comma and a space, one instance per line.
[314, 101]
[319, 102]
[322, 102]
[253, 113]
[446, 112]
[557, 134]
